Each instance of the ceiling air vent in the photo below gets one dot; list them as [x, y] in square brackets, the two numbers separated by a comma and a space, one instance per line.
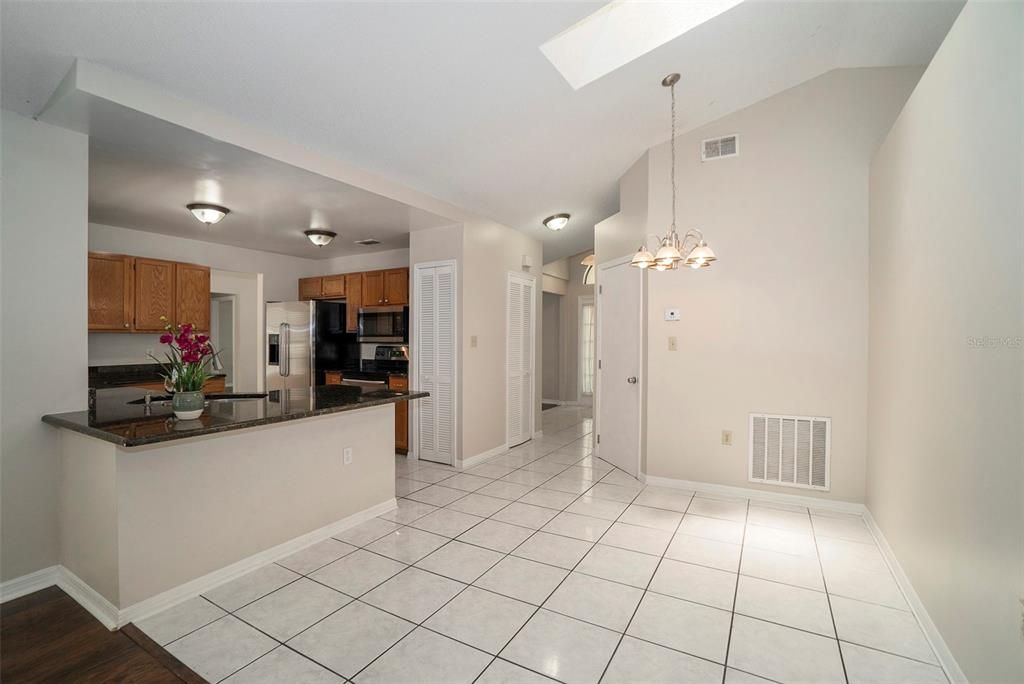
[367, 242]
[716, 148]
[793, 451]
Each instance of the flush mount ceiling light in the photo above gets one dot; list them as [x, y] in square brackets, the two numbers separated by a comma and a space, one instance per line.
[208, 213]
[622, 31]
[556, 222]
[690, 249]
[320, 238]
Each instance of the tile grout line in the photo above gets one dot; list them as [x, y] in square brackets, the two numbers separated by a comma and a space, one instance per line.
[736, 591]
[552, 592]
[646, 589]
[828, 598]
[467, 585]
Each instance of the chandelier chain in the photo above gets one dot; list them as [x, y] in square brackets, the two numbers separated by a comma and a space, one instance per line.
[672, 144]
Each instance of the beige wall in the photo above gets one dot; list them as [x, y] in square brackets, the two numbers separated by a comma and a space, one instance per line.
[43, 337]
[945, 467]
[779, 324]
[491, 251]
[392, 258]
[620, 235]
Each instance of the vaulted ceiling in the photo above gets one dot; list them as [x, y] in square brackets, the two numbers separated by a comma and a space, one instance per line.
[456, 99]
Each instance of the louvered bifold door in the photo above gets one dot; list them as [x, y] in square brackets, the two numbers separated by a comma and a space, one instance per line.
[434, 309]
[793, 451]
[520, 359]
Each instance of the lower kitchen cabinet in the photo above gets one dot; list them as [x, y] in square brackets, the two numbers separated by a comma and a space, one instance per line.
[401, 383]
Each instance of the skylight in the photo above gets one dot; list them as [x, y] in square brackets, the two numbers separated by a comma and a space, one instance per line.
[621, 31]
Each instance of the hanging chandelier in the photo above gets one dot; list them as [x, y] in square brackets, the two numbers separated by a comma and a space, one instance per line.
[673, 250]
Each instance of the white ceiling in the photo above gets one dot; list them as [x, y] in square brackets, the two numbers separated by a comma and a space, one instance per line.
[143, 171]
[456, 99]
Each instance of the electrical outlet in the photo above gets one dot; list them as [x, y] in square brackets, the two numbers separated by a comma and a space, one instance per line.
[472, 341]
[346, 456]
[673, 343]
[727, 437]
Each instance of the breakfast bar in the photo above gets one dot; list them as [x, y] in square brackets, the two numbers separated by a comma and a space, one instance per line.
[153, 508]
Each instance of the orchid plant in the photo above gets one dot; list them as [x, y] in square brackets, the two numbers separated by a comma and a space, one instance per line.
[187, 357]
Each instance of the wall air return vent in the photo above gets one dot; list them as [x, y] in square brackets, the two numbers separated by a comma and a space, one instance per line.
[716, 148]
[792, 451]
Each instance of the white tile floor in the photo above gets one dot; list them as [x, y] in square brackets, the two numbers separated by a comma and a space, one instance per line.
[546, 563]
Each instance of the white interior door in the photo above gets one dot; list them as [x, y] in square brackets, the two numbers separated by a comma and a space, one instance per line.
[434, 360]
[520, 358]
[620, 318]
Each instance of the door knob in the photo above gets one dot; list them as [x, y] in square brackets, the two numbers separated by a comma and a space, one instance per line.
[631, 380]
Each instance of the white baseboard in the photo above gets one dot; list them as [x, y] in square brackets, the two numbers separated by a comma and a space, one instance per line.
[90, 599]
[756, 494]
[112, 618]
[193, 588]
[931, 632]
[27, 584]
[481, 457]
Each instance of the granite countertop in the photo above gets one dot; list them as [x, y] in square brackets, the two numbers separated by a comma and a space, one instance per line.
[119, 420]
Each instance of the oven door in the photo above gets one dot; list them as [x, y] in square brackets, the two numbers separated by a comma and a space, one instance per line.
[388, 324]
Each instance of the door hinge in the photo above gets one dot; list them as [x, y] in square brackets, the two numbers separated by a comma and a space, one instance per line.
[600, 289]
[599, 439]
[599, 364]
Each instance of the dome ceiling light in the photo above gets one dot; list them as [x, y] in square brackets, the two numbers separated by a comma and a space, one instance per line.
[689, 250]
[208, 213]
[320, 238]
[556, 222]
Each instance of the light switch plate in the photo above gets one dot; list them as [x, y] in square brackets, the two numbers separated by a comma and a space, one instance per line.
[346, 456]
[472, 341]
[672, 315]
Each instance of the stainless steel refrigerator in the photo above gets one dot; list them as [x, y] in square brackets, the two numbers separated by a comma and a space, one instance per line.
[305, 339]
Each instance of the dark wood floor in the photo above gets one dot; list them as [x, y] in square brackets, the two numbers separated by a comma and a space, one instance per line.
[48, 637]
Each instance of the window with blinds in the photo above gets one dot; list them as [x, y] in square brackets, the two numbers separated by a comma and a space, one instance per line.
[588, 330]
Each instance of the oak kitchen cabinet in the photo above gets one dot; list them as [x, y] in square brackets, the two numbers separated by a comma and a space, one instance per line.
[192, 295]
[353, 300]
[311, 288]
[396, 286]
[111, 292]
[386, 288]
[154, 294]
[333, 286]
[130, 294]
[373, 288]
[389, 287]
[401, 383]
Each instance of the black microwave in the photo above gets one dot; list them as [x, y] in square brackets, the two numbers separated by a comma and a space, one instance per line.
[389, 324]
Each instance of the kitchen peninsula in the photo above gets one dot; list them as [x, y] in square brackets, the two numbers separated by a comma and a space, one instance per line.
[155, 509]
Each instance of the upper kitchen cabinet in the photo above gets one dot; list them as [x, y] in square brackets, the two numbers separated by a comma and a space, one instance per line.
[192, 295]
[311, 288]
[373, 288]
[353, 300]
[131, 294]
[396, 286]
[111, 294]
[154, 294]
[333, 286]
[386, 288]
